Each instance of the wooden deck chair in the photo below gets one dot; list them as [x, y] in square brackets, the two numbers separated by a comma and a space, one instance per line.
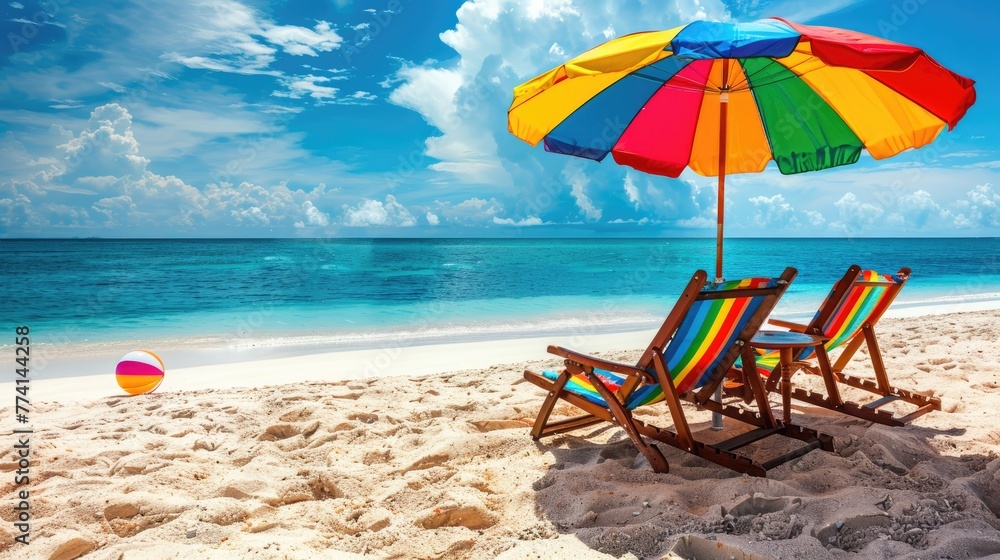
[848, 317]
[688, 357]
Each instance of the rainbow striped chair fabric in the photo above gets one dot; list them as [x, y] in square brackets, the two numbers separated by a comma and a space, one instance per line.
[848, 317]
[709, 326]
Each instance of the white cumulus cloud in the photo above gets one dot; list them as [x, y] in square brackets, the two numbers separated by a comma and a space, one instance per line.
[302, 41]
[578, 181]
[297, 87]
[857, 216]
[773, 212]
[472, 211]
[526, 222]
[314, 216]
[100, 181]
[981, 208]
[370, 212]
[631, 191]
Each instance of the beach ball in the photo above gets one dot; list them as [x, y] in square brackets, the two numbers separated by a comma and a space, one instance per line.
[139, 372]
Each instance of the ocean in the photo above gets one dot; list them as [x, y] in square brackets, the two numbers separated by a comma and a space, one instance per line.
[355, 293]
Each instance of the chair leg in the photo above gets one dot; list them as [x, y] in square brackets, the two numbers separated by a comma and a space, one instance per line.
[825, 370]
[545, 426]
[876, 357]
[751, 378]
[550, 402]
[673, 402]
[881, 385]
[624, 418]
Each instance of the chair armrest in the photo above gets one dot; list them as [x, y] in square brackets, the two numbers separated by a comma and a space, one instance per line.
[794, 327]
[598, 363]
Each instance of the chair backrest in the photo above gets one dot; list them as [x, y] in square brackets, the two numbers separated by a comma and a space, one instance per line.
[857, 299]
[701, 337]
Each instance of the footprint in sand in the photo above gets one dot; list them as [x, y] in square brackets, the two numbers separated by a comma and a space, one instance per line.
[429, 461]
[853, 533]
[342, 427]
[377, 457]
[882, 457]
[120, 511]
[224, 514]
[136, 464]
[374, 520]
[493, 425]
[618, 451]
[323, 486]
[131, 527]
[296, 415]
[367, 418]
[73, 548]
[470, 517]
[760, 504]
[285, 431]
[342, 394]
[205, 444]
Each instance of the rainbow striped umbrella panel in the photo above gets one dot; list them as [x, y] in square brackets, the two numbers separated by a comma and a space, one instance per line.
[807, 97]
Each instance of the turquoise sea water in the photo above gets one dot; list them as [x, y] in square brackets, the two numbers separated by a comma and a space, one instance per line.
[354, 293]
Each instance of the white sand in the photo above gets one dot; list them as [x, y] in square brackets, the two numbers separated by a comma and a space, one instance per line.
[341, 459]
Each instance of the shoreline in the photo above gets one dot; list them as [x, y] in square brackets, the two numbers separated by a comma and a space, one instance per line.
[225, 368]
[601, 316]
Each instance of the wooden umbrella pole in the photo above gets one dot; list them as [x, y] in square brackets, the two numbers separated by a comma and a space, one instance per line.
[723, 117]
[720, 215]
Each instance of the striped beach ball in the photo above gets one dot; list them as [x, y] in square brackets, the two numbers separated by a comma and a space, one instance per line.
[139, 372]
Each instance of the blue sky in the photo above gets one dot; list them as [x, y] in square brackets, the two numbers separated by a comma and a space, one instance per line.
[357, 118]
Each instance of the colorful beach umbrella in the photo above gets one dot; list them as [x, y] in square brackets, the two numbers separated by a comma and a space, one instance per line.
[724, 98]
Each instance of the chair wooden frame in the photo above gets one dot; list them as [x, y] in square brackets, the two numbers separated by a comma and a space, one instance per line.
[652, 368]
[834, 374]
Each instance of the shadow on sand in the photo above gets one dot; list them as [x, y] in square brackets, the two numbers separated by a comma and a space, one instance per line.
[884, 492]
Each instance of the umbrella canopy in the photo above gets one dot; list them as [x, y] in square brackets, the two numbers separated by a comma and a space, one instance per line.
[725, 98]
